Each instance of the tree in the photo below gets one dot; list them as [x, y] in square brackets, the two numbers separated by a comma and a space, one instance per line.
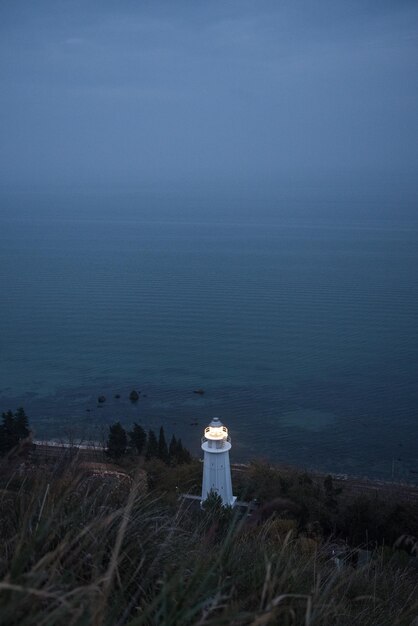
[117, 441]
[152, 445]
[162, 446]
[13, 429]
[331, 493]
[183, 455]
[177, 453]
[138, 438]
[21, 424]
[172, 450]
[8, 438]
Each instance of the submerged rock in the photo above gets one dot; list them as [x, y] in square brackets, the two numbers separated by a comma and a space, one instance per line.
[101, 399]
[117, 396]
[200, 392]
[134, 396]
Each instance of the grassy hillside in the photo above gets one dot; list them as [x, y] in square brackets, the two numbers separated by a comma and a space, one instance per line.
[109, 545]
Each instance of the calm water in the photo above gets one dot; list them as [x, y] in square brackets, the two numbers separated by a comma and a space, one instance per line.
[303, 334]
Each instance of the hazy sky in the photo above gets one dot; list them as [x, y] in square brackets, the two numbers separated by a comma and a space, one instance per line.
[129, 92]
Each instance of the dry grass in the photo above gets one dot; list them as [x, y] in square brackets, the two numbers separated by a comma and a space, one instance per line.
[104, 553]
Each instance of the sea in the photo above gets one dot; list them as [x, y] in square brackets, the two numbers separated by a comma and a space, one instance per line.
[300, 326]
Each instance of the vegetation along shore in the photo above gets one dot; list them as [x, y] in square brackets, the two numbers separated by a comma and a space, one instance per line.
[114, 536]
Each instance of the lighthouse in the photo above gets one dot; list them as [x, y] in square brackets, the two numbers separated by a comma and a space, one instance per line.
[216, 445]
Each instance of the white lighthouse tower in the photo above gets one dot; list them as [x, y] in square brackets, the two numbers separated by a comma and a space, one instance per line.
[216, 445]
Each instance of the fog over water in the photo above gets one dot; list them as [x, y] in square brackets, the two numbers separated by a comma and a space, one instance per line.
[145, 92]
[221, 196]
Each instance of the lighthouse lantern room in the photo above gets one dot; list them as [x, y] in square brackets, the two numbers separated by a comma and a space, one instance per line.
[216, 445]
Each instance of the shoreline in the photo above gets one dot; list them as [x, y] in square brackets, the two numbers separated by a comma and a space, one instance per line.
[355, 483]
[75, 413]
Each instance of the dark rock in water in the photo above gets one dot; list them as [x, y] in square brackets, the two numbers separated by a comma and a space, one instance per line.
[134, 396]
[101, 399]
[144, 395]
[193, 424]
[117, 396]
[200, 392]
[88, 410]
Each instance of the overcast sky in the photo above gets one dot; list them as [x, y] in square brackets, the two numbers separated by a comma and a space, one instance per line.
[131, 92]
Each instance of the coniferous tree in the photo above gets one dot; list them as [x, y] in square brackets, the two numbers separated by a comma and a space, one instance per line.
[179, 454]
[21, 424]
[8, 439]
[117, 441]
[172, 451]
[138, 438]
[186, 457]
[4, 439]
[330, 493]
[13, 429]
[162, 446]
[152, 445]
[183, 455]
